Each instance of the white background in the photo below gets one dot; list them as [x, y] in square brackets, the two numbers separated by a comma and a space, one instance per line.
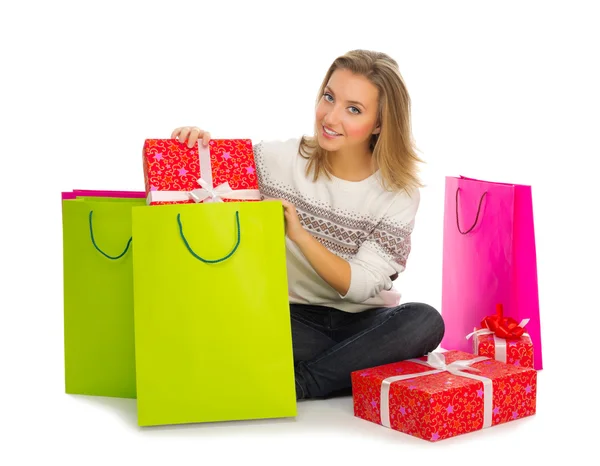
[505, 91]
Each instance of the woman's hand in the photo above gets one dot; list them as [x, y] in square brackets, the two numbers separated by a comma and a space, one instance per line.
[191, 134]
[293, 228]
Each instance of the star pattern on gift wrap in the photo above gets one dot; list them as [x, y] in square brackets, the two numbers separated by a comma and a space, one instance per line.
[515, 414]
[435, 436]
[153, 188]
[250, 170]
[402, 410]
[182, 172]
[450, 409]
[226, 155]
[496, 410]
[158, 156]
[480, 392]
[528, 389]
[374, 403]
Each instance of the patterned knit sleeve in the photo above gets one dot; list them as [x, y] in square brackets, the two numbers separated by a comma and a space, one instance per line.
[384, 253]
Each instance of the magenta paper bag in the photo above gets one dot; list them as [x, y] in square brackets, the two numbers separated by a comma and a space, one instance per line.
[95, 193]
[489, 257]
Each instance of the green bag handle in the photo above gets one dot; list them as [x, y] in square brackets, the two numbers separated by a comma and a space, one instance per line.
[100, 250]
[211, 261]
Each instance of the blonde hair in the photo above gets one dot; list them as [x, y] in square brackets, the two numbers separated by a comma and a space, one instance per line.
[393, 149]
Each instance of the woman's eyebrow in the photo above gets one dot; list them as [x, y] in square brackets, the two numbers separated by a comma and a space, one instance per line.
[355, 102]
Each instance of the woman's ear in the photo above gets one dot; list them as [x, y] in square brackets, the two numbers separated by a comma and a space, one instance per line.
[377, 130]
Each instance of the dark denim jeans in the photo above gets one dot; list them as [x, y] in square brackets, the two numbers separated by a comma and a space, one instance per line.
[330, 344]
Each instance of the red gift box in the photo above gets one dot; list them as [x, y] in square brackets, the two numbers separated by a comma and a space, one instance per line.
[438, 396]
[225, 171]
[503, 339]
[518, 352]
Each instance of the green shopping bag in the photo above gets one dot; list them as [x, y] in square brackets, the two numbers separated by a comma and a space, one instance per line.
[98, 296]
[212, 321]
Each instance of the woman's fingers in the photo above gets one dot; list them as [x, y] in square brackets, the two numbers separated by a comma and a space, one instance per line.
[191, 134]
[193, 137]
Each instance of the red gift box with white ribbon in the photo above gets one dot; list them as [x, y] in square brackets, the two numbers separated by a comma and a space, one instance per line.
[225, 171]
[444, 394]
[503, 339]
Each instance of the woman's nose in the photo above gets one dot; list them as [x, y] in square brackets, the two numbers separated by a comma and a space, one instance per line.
[332, 119]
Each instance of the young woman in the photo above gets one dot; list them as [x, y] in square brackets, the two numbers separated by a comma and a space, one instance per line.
[350, 195]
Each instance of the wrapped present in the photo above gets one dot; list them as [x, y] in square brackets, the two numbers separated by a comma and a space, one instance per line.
[444, 394]
[503, 339]
[223, 171]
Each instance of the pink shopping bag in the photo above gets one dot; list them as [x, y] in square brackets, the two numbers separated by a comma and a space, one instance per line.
[489, 257]
[95, 193]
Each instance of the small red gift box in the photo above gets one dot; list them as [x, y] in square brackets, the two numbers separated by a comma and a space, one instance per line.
[503, 339]
[444, 394]
[518, 352]
[225, 171]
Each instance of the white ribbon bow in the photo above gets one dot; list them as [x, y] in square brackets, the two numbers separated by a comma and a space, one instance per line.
[223, 191]
[437, 361]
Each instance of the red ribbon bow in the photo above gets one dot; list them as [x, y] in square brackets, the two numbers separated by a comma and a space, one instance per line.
[504, 327]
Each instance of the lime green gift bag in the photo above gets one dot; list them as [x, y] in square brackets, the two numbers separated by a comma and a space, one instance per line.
[99, 347]
[212, 320]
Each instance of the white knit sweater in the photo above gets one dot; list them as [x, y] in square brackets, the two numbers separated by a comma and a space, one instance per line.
[358, 221]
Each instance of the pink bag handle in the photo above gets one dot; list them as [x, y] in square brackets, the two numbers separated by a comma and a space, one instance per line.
[476, 217]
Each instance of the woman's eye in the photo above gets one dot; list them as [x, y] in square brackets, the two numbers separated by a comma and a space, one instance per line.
[353, 110]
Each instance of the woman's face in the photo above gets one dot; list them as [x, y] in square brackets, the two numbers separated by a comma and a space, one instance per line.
[348, 107]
